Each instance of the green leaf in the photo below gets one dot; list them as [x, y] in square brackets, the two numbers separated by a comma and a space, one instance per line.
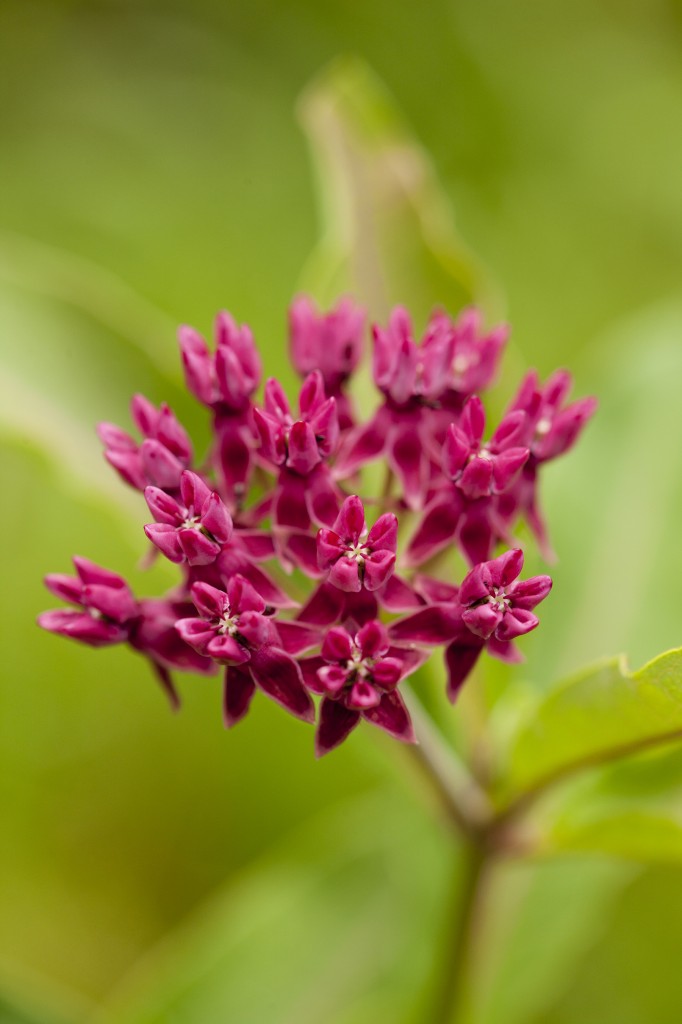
[597, 716]
[387, 228]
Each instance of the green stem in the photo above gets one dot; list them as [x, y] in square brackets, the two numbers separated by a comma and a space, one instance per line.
[452, 996]
[463, 800]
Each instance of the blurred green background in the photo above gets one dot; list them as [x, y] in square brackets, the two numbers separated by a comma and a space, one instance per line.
[154, 170]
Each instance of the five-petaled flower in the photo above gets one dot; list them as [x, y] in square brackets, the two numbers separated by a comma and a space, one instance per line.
[357, 675]
[353, 557]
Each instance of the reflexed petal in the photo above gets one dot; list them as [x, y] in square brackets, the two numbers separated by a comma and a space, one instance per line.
[504, 650]
[399, 596]
[407, 460]
[436, 529]
[302, 550]
[238, 691]
[336, 722]
[235, 455]
[392, 716]
[476, 538]
[436, 625]
[435, 591]
[278, 675]
[337, 645]
[309, 668]
[362, 444]
[324, 606]
[296, 637]
[459, 661]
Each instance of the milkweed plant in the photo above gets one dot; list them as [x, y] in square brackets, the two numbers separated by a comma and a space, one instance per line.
[301, 582]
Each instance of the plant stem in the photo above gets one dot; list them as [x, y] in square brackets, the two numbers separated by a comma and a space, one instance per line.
[452, 997]
[465, 803]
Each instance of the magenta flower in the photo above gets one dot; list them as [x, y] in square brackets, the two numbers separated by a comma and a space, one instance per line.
[550, 432]
[305, 492]
[467, 510]
[234, 631]
[163, 455]
[353, 557]
[288, 501]
[357, 676]
[104, 601]
[193, 530]
[329, 342]
[490, 609]
[475, 356]
[226, 381]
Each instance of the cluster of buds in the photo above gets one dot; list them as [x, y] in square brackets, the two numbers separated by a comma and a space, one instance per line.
[276, 493]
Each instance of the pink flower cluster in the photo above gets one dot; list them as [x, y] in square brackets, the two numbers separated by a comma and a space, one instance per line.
[277, 494]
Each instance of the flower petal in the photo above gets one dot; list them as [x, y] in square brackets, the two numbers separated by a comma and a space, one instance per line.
[392, 716]
[335, 724]
[278, 675]
[238, 691]
[459, 661]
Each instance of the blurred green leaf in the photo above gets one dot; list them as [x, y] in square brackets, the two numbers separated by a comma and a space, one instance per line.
[599, 715]
[339, 917]
[539, 931]
[387, 228]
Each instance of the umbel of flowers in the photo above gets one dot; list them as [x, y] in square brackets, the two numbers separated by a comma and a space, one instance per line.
[277, 491]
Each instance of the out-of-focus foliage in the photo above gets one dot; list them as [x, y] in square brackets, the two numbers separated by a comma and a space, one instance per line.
[153, 867]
